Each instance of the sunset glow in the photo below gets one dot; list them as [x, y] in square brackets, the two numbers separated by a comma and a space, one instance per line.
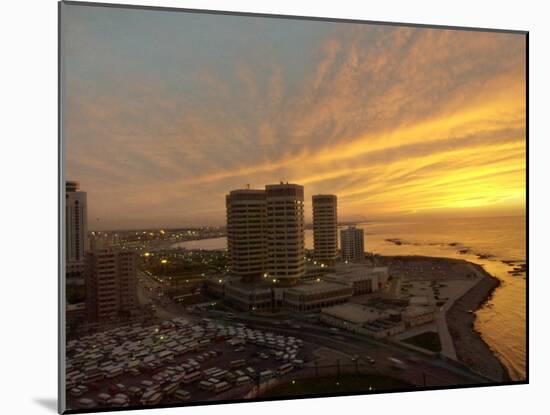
[162, 123]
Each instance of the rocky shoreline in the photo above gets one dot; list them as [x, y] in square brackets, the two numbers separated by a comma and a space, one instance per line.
[470, 347]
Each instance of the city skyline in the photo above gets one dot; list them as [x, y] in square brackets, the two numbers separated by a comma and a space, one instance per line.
[260, 207]
[395, 120]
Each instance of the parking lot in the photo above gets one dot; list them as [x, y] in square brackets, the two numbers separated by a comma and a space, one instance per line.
[176, 361]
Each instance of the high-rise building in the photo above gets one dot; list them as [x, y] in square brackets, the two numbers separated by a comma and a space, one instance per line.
[111, 284]
[285, 232]
[246, 239]
[352, 244]
[325, 228]
[76, 228]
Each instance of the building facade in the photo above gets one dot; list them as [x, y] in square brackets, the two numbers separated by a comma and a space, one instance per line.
[249, 297]
[76, 229]
[363, 278]
[365, 320]
[325, 228]
[316, 295]
[360, 283]
[418, 315]
[285, 233]
[352, 244]
[111, 284]
[246, 233]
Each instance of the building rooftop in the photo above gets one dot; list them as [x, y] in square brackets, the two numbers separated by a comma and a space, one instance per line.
[324, 197]
[351, 272]
[354, 313]
[318, 286]
[419, 300]
[413, 311]
[246, 194]
[248, 287]
[381, 325]
[285, 190]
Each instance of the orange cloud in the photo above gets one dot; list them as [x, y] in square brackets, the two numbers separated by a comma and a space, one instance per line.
[393, 120]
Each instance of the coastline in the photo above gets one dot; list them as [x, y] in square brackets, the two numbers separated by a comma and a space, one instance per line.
[471, 348]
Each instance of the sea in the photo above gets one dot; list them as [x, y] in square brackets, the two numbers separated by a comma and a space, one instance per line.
[487, 241]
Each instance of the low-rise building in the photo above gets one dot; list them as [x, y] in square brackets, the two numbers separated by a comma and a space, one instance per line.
[351, 316]
[420, 300]
[316, 295]
[382, 274]
[358, 276]
[249, 296]
[417, 315]
[314, 270]
[383, 328]
[375, 322]
[362, 278]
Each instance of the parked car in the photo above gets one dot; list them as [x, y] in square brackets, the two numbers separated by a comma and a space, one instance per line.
[103, 398]
[86, 403]
[182, 395]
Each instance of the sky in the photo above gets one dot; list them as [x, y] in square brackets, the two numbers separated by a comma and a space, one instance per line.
[166, 112]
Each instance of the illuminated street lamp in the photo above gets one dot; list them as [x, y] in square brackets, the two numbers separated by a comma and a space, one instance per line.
[163, 263]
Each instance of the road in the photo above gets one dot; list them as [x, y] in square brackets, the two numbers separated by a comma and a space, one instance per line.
[148, 289]
[422, 371]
